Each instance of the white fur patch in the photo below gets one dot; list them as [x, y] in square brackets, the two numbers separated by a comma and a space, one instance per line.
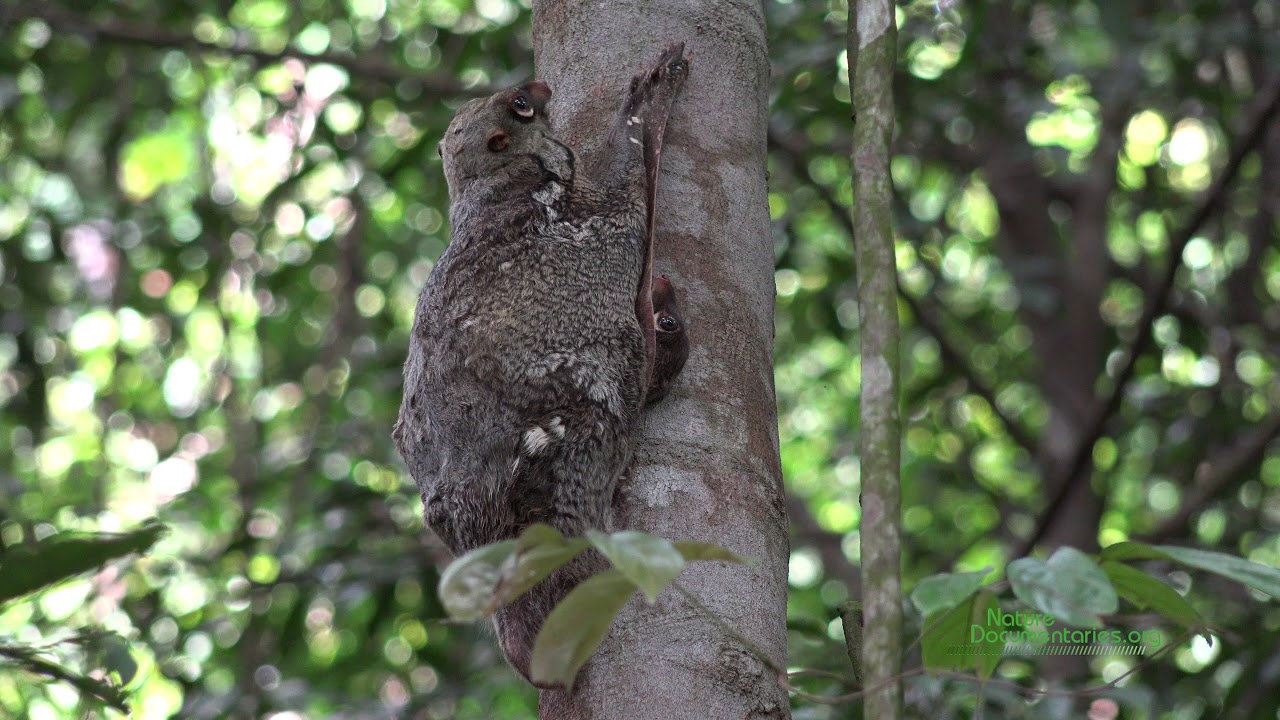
[557, 427]
[635, 119]
[535, 440]
[548, 193]
[636, 141]
[506, 265]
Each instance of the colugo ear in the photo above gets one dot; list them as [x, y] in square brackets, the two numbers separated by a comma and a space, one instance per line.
[498, 141]
[540, 93]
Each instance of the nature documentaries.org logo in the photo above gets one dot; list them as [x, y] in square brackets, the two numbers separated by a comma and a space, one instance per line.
[1027, 633]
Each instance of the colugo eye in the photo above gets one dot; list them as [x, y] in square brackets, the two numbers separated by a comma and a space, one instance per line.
[522, 107]
[668, 323]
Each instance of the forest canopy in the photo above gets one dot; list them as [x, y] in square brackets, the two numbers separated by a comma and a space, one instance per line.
[215, 218]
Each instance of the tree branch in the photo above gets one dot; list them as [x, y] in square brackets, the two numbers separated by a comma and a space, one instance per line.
[103, 691]
[872, 50]
[1217, 473]
[119, 32]
[1264, 109]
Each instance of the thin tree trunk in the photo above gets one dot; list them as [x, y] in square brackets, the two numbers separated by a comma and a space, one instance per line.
[872, 53]
[706, 464]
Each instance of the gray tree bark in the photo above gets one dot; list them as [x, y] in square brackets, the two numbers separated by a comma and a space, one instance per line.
[872, 51]
[706, 465]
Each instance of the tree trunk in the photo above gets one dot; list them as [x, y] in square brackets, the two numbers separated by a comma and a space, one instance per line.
[706, 465]
[872, 38]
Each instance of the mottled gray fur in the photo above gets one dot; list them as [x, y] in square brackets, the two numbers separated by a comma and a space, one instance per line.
[532, 345]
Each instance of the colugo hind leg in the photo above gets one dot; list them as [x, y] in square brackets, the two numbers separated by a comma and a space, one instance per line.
[581, 477]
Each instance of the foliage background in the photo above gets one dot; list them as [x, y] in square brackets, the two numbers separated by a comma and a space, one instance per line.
[210, 260]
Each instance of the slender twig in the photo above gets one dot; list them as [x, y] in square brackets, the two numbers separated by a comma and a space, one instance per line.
[116, 31]
[1264, 109]
[100, 690]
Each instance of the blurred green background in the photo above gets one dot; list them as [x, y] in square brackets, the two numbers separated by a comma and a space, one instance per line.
[210, 262]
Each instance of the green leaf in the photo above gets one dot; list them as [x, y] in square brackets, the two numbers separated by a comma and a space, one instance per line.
[693, 550]
[468, 585]
[485, 579]
[30, 566]
[1262, 578]
[946, 590]
[541, 549]
[538, 534]
[949, 641]
[1131, 551]
[574, 630]
[650, 562]
[1146, 591]
[984, 663]
[1070, 587]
